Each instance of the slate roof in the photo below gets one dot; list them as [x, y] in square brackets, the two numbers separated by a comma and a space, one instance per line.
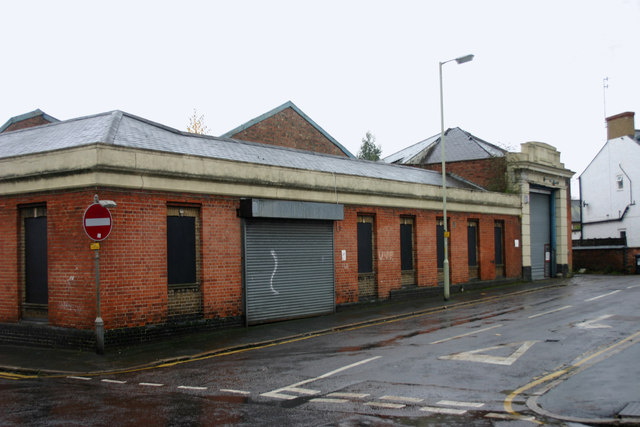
[460, 145]
[277, 110]
[122, 129]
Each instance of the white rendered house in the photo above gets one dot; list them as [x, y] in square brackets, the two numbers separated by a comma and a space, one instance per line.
[610, 184]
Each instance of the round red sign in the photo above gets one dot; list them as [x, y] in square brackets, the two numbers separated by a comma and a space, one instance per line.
[97, 222]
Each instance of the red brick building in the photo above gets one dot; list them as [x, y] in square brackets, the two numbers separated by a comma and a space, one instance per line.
[210, 232]
[288, 126]
[535, 173]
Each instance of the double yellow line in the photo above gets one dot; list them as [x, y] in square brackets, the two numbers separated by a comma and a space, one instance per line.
[508, 407]
[12, 376]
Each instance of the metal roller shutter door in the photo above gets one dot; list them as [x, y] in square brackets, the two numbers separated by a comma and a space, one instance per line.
[289, 269]
[540, 232]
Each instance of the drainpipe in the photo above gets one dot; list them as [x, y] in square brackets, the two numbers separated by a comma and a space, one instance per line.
[580, 193]
[631, 201]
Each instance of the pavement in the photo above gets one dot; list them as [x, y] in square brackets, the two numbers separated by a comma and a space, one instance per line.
[18, 362]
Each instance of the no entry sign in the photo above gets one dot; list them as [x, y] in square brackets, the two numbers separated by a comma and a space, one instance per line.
[97, 222]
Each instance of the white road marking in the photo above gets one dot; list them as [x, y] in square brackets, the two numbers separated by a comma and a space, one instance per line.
[447, 411]
[349, 395]
[151, 384]
[228, 390]
[550, 311]
[328, 400]
[591, 324]
[402, 399]
[385, 405]
[501, 416]
[601, 296]
[188, 387]
[71, 377]
[113, 381]
[632, 286]
[465, 335]
[303, 390]
[480, 357]
[278, 395]
[462, 404]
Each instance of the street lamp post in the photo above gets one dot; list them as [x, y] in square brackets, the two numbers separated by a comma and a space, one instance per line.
[445, 263]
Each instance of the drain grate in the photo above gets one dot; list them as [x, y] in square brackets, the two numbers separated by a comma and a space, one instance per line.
[631, 410]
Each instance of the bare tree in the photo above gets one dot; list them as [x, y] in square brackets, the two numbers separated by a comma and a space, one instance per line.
[196, 124]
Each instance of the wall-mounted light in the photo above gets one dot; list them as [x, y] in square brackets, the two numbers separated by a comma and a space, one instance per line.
[104, 203]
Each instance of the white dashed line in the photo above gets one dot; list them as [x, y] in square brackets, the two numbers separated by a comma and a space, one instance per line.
[465, 335]
[228, 390]
[601, 296]
[328, 400]
[402, 399]
[303, 390]
[501, 416]
[385, 405]
[447, 411]
[296, 389]
[188, 387]
[79, 378]
[151, 384]
[462, 404]
[348, 395]
[113, 381]
[550, 311]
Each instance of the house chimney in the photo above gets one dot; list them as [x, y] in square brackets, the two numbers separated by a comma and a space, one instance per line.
[620, 125]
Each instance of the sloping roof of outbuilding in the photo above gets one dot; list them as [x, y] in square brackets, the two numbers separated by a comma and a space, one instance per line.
[126, 130]
[279, 109]
[460, 145]
[30, 115]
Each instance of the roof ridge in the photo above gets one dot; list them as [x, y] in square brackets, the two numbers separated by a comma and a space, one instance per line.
[481, 141]
[112, 131]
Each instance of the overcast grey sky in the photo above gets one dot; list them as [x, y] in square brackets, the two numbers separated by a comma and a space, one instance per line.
[351, 66]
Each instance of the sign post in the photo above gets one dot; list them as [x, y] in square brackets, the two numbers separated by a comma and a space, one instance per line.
[97, 223]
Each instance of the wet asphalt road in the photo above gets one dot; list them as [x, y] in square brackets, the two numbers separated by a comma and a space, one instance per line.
[459, 366]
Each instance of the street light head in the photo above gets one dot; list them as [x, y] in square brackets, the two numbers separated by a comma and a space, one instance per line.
[464, 59]
[108, 203]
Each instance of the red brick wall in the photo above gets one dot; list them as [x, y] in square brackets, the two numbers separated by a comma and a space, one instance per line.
[133, 272]
[27, 123]
[487, 173]
[387, 248]
[606, 260]
[9, 234]
[599, 260]
[288, 129]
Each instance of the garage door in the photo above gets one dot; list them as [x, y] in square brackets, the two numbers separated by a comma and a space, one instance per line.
[540, 232]
[289, 269]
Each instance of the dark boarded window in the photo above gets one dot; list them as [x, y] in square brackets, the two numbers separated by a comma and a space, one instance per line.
[37, 291]
[181, 249]
[440, 242]
[499, 242]
[406, 246]
[365, 247]
[472, 243]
